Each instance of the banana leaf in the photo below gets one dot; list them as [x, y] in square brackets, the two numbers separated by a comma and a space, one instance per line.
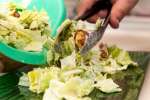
[130, 81]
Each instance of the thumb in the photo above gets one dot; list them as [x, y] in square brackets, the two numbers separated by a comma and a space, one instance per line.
[119, 10]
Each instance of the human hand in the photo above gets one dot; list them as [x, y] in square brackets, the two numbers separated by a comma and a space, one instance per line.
[8, 65]
[119, 10]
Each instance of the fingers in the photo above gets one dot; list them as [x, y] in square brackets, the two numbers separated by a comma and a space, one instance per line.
[84, 5]
[119, 10]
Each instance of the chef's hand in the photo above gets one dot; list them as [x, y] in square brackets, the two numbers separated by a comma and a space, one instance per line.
[8, 65]
[119, 10]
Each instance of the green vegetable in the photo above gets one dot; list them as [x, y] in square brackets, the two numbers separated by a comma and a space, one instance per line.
[73, 89]
[107, 86]
[39, 78]
[71, 76]
[122, 57]
[24, 29]
[24, 80]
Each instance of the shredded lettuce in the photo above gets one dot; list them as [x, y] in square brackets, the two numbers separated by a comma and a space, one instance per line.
[24, 80]
[107, 86]
[24, 29]
[71, 76]
[73, 89]
[39, 78]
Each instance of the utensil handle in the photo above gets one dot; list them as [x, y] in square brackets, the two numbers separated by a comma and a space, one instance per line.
[98, 5]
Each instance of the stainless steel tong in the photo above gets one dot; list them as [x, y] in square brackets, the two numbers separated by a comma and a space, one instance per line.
[95, 36]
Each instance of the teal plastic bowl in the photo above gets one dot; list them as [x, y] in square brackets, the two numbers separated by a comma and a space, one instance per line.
[57, 13]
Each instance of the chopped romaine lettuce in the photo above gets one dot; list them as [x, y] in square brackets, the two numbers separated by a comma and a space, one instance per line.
[107, 86]
[24, 29]
[24, 81]
[72, 89]
[65, 31]
[121, 56]
[69, 61]
[39, 78]
[72, 76]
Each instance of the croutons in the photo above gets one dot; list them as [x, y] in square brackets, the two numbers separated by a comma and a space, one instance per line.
[80, 38]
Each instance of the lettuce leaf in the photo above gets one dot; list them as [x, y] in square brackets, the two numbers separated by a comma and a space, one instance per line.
[39, 78]
[121, 56]
[107, 86]
[73, 89]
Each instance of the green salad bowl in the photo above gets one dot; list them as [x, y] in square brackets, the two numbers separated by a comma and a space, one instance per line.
[57, 14]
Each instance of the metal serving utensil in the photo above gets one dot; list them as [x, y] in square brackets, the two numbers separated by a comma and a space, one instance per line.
[95, 36]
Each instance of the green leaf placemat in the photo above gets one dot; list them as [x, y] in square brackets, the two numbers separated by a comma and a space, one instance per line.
[130, 81]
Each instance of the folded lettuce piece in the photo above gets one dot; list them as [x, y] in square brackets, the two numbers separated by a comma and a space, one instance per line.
[121, 56]
[107, 86]
[54, 95]
[68, 72]
[117, 60]
[65, 48]
[110, 66]
[65, 31]
[73, 89]
[49, 93]
[64, 42]
[69, 61]
[52, 57]
[77, 87]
